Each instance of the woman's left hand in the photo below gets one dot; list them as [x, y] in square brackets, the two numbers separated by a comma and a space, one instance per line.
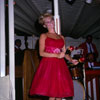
[75, 62]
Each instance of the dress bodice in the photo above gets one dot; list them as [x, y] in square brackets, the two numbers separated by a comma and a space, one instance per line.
[53, 45]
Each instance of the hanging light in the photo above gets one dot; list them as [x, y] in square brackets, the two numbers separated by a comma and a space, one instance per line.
[48, 10]
[70, 1]
[88, 1]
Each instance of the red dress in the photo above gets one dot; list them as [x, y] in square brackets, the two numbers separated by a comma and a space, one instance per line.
[52, 77]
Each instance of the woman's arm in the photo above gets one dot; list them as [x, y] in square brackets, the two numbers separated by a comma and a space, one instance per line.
[74, 61]
[63, 49]
[68, 57]
[42, 48]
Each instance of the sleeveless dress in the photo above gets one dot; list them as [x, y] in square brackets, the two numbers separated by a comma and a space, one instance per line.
[52, 77]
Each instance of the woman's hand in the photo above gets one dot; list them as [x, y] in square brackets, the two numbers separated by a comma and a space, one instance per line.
[75, 62]
[61, 55]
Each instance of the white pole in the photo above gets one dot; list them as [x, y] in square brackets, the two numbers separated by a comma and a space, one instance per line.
[2, 38]
[55, 7]
[84, 80]
[11, 48]
[56, 17]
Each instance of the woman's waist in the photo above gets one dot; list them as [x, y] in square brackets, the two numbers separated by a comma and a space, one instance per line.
[52, 50]
[52, 59]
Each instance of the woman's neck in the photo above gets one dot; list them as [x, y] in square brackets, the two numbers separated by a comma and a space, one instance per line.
[51, 31]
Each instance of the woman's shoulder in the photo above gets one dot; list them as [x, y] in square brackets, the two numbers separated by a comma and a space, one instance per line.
[43, 36]
[62, 36]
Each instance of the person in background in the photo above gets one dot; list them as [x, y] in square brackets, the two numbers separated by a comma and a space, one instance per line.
[90, 61]
[89, 47]
[52, 77]
[19, 56]
[19, 53]
[17, 45]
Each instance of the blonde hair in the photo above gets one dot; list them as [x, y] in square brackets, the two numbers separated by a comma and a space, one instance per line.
[43, 16]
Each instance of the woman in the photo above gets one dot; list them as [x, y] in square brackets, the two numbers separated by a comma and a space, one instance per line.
[52, 77]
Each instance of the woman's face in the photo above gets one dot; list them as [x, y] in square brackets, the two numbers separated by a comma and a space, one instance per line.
[49, 22]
